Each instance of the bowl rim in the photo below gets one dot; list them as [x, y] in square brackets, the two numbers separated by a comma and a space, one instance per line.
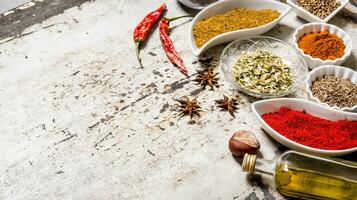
[348, 43]
[198, 50]
[301, 146]
[258, 95]
[309, 80]
[192, 7]
[296, 6]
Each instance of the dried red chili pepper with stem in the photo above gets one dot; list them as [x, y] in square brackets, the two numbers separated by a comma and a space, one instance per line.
[143, 29]
[168, 45]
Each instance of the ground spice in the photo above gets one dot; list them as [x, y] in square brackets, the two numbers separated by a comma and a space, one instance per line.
[335, 91]
[323, 45]
[320, 8]
[313, 131]
[236, 19]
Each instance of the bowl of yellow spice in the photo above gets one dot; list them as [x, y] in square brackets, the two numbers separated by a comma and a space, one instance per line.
[263, 67]
[322, 44]
[228, 20]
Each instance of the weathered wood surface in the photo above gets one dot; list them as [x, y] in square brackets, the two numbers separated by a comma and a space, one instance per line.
[81, 120]
[6, 5]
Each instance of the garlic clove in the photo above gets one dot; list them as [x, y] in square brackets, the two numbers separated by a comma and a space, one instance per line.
[243, 142]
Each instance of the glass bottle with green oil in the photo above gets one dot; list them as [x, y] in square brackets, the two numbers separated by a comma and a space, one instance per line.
[306, 176]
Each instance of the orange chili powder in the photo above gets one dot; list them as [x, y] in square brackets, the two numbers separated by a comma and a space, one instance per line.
[323, 45]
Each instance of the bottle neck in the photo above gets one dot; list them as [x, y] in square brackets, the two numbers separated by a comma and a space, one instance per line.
[251, 163]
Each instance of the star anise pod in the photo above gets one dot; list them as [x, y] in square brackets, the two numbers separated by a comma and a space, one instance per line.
[189, 107]
[227, 104]
[207, 77]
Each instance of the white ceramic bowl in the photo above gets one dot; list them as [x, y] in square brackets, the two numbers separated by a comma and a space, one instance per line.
[197, 4]
[335, 70]
[318, 27]
[306, 15]
[223, 6]
[272, 105]
[289, 55]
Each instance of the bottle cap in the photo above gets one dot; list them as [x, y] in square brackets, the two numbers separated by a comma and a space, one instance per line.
[249, 161]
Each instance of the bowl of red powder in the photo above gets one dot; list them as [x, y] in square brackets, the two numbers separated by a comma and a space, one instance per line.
[322, 44]
[308, 126]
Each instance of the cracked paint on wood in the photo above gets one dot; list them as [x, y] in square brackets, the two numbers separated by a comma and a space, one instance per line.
[81, 120]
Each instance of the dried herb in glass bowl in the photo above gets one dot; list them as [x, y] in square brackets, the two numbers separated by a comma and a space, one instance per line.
[263, 72]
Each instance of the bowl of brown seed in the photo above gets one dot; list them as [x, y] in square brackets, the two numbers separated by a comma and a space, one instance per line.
[333, 86]
[317, 10]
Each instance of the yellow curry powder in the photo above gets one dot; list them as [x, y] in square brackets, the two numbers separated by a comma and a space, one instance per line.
[240, 18]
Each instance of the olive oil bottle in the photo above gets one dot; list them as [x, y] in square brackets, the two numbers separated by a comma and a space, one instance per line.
[308, 177]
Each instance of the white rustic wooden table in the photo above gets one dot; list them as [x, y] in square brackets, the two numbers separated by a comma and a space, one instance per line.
[79, 119]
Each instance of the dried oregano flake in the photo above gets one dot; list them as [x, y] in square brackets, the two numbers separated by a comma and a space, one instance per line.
[263, 72]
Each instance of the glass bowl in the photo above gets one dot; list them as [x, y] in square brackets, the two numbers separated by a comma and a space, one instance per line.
[289, 55]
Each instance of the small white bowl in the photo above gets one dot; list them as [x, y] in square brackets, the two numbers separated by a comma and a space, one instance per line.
[198, 5]
[306, 15]
[335, 70]
[272, 105]
[223, 6]
[318, 27]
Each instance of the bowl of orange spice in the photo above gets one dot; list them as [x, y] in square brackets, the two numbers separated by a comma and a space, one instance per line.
[322, 44]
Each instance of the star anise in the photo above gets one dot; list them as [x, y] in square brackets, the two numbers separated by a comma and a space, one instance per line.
[207, 77]
[227, 104]
[189, 107]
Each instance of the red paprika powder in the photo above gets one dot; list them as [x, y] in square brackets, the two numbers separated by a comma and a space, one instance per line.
[313, 131]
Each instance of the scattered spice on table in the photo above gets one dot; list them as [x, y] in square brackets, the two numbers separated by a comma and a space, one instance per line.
[228, 104]
[262, 72]
[323, 45]
[320, 8]
[236, 19]
[189, 107]
[143, 29]
[207, 77]
[168, 45]
[313, 131]
[335, 91]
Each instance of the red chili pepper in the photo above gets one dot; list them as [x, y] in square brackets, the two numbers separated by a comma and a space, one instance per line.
[143, 29]
[168, 45]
